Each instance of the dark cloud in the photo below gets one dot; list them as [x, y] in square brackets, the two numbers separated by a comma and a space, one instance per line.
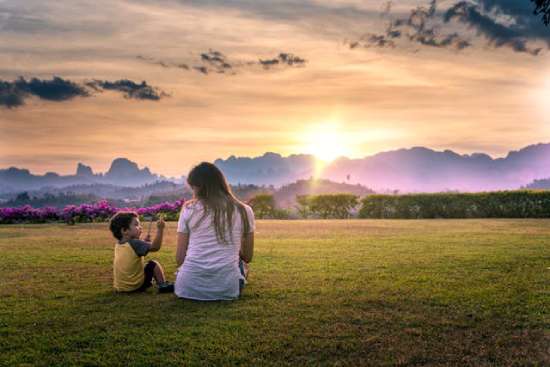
[10, 96]
[291, 59]
[285, 59]
[488, 17]
[451, 40]
[503, 23]
[542, 7]
[129, 88]
[15, 93]
[162, 63]
[418, 28]
[425, 32]
[201, 69]
[216, 62]
[212, 62]
[268, 63]
[57, 89]
[372, 40]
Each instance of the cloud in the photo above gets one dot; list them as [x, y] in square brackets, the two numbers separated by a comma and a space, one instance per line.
[424, 32]
[10, 96]
[208, 62]
[152, 61]
[372, 40]
[216, 62]
[201, 69]
[419, 27]
[15, 93]
[543, 8]
[129, 88]
[503, 23]
[164, 64]
[284, 59]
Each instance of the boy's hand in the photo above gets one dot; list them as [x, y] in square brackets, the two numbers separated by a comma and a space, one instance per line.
[160, 224]
[148, 238]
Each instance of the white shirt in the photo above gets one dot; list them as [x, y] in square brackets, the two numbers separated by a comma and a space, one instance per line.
[210, 270]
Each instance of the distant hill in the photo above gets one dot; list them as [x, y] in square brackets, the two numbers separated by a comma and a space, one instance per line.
[269, 169]
[285, 197]
[539, 185]
[163, 191]
[117, 192]
[122, 172]
[57, 200]
[147, 194]
[416, 169]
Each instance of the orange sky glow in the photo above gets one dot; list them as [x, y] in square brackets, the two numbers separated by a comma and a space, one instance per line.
[340, 101]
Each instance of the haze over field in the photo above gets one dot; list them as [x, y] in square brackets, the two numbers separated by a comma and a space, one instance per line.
[170, 83]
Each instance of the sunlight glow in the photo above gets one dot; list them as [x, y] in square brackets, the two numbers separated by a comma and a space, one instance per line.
[326, 142]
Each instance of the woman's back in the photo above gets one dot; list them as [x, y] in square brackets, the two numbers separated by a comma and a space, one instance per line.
[210, 270]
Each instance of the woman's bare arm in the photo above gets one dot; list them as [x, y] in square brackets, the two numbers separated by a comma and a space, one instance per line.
[247, 247]
[181, 250]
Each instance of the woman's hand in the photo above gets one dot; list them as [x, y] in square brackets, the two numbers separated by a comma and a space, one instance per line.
[247, 247]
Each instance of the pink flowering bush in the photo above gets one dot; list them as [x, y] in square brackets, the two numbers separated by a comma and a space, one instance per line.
[85, 213]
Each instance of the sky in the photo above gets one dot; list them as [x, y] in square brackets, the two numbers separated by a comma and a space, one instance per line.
[170, 83]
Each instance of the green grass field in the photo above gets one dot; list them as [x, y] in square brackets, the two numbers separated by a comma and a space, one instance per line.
[342, 293]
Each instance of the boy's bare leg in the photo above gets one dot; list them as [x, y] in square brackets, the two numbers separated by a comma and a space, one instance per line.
[159, 274]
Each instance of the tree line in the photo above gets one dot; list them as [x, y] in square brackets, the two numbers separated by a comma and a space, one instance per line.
[501, 204]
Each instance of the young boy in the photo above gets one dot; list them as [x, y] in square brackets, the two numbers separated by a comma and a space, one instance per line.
[130, 273]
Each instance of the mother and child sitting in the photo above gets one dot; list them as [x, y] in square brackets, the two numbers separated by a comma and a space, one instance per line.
[215, 244]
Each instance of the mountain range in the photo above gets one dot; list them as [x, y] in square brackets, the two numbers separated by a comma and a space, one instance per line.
[122, 172]
[417, 169]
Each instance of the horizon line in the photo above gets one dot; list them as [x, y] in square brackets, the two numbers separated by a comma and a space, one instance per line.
[77, 162]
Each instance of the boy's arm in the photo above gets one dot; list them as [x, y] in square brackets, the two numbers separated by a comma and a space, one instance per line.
[157, 242]
[141, 248]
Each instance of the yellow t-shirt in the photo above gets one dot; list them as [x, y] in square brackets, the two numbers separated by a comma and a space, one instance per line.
[127, 268]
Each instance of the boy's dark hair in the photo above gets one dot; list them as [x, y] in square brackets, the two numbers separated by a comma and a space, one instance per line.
[120, 221]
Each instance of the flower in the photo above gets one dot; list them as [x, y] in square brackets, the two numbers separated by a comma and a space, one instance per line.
[100, 211]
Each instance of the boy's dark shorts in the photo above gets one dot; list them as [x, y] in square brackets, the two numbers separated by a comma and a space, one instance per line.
[149, 271]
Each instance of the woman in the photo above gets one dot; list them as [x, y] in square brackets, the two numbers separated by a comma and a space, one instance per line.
[215, 239]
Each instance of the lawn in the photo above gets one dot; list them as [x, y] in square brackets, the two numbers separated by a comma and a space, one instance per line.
[345, 293]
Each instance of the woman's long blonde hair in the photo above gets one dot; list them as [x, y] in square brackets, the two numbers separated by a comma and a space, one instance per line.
[216, 196]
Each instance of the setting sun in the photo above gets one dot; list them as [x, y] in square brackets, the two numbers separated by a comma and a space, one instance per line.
[326, 143]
